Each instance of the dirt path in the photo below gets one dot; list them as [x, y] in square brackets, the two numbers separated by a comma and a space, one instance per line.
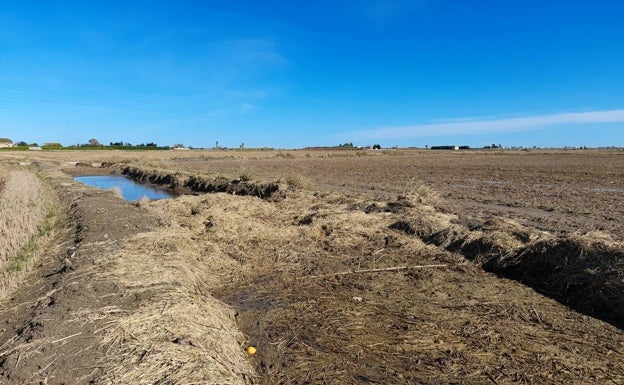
[72, 320]
[45, 336]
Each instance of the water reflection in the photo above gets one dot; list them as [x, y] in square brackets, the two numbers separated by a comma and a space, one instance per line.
[130, 190]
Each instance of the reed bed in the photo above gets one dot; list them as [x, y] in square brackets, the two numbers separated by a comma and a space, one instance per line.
[25, 216]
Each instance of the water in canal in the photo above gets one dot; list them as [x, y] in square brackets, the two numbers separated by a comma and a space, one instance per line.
[130, 190]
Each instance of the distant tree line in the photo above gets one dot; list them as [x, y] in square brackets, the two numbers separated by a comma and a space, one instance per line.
[126, 144]
[121, 145]
[91, 144]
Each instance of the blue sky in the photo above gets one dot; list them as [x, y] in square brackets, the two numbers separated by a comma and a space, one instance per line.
[301, 73]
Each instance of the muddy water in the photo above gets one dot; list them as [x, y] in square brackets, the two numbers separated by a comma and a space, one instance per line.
[130, 190]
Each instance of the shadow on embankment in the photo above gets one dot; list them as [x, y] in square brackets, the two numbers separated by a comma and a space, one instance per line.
[182, 183]
[584, 272]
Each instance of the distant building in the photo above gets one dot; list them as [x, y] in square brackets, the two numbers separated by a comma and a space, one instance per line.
[454, 148]
[179, 147]
[5, 143]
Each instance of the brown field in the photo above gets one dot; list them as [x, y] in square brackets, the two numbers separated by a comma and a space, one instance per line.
[398, 266]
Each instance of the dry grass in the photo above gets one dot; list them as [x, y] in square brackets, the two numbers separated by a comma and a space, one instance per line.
[182, 335]
[281, 264]
[4, 173]
[116, 191]
[25, 216]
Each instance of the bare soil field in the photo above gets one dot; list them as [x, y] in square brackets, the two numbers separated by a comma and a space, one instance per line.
[554, 191]
[398, 266]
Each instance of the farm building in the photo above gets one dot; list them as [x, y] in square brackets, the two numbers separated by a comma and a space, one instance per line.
[5, 142]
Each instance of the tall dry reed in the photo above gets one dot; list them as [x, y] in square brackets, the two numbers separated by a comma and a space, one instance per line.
[25, 204]
[3, 176]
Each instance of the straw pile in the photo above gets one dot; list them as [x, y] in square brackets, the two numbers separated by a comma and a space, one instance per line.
[180, 333]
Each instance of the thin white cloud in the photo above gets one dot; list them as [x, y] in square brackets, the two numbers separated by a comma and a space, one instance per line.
[247, 107]
[256, 94]
[229, 110]
[485, 126]
[248, 53]
[214, 113]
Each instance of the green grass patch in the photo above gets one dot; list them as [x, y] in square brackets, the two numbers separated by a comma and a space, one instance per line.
[18, 263]
[48, 224]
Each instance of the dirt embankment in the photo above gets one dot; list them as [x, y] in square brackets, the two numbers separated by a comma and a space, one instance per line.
[584, 272]
[201, 184]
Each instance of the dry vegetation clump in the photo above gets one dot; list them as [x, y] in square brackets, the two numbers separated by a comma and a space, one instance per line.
[181, 334]
[586, 274]
[25, 215]
[116, 192]
[152, 175]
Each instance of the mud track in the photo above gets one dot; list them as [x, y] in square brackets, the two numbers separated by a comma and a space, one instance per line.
[43, 338]
[71, 321]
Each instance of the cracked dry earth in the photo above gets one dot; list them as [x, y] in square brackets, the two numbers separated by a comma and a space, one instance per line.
[78, 316]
